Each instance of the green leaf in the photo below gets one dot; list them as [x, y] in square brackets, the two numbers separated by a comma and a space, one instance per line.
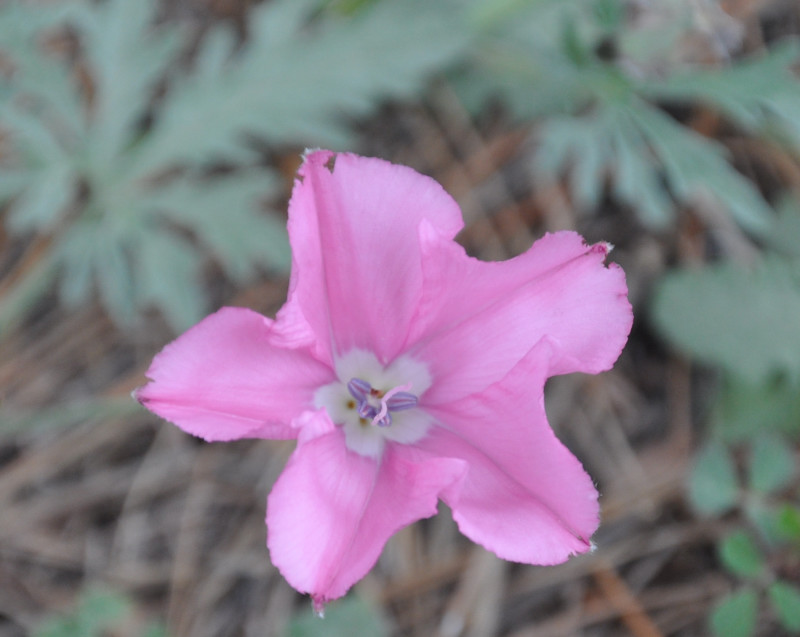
[746, 91]
[785, 600]
[115, 279]
[764, 518]
[127, 57]
[292, 81]
[713, 486]
[740, 555]
[582, 145]
[785, 237]
[734, 316]
[168, 270]
[606, 144]
[225, 214]
[75, 254]
[610, 14]
[637, 179]
[597, 121]
[788, 523]
[772, 464]
[299, 76]
[637, 146]
[696, 169]
[42, 204]
[735, 615]
[351, 616]
[745, 410]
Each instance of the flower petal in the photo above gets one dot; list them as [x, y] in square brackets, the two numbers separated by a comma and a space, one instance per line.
[525, 496]
[477, 319]
[331, 511]
[226, 379]
[353, 225]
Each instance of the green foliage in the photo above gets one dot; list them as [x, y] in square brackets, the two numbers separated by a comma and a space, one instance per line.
[760, 94]
[744, 410]
[736, 614]
[757, 558]
[772, 464]
[713, 485]
[583, 71]
[734, 316]
[787, 524]
[741, 556]
[96, 613]
[128, 181]
[351, 616]
[640, 148]
[785, 600]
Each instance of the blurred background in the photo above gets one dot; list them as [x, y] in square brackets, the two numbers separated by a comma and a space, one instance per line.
[147, 150]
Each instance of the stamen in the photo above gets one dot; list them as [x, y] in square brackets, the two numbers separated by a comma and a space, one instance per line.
[383, 418]
[401, 400]
[359, 389]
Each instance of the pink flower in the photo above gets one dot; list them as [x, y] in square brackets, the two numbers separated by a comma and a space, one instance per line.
[408, 372]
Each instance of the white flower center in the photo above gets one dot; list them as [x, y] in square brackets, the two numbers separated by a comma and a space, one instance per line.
[373, 403]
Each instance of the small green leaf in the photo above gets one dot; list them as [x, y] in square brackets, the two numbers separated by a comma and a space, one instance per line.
[713, 487]
[785, 600]
[740, 555]
[351, 616]
[771, 464]
[735, 615]
[787, 523]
